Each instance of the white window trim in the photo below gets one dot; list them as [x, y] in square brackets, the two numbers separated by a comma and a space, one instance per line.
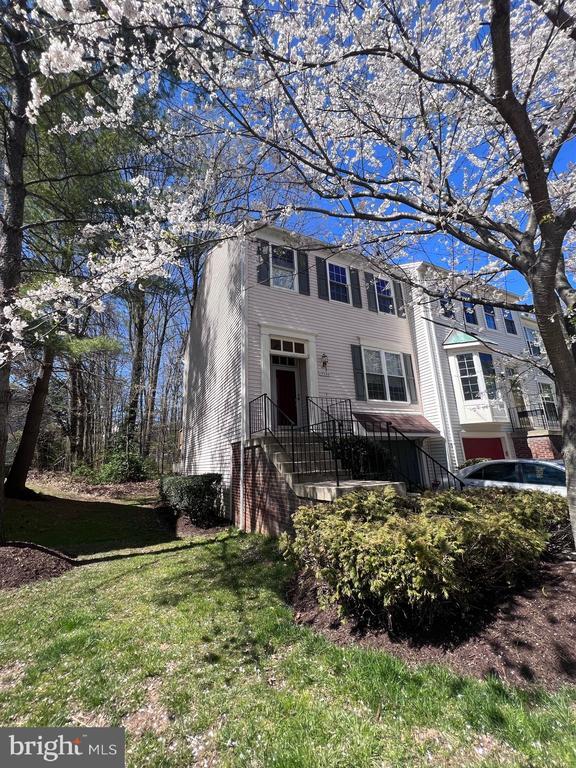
[385, 369]
[483, 390]
[296, 285]
[392, 296]
[268, 332]
[348, 281]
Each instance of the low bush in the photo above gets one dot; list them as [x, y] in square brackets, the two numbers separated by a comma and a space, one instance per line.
[122, 467]
[471, 462]
[364, 456]
[198, 496]
[415, 563]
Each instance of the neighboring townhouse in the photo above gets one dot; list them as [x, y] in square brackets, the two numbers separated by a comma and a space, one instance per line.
[479, 382]
[288, 334]
[298, 351]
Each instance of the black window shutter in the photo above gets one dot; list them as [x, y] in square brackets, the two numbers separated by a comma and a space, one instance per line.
[303, 274]
[410, 379]
[399, 299]
[263, 268]
[322, 278]
[355, 287]
[358, 368]
[370, 291]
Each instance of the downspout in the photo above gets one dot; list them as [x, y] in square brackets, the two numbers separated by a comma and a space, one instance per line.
[243, 315]
[444, 407]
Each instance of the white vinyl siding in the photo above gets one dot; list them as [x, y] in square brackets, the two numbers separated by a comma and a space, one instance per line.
[213, 366]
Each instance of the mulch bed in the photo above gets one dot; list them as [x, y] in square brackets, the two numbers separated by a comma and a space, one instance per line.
[21, 565]
[529, 639]
[186, 529]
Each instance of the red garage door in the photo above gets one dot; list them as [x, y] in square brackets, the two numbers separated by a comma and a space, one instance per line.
[483, 448]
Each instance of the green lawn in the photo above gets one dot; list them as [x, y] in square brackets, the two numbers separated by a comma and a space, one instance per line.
[192, 647]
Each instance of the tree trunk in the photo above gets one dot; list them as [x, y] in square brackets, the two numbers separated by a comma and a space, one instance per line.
[139, 317]
[14, 195]
[550, 318]
[151, 400]
[16, 481]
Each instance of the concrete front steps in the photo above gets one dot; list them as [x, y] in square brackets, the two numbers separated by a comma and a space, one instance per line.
[318, 485]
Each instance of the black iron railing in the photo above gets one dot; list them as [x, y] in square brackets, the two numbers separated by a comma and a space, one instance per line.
[341, 448]
[535, 417]
[318, 408]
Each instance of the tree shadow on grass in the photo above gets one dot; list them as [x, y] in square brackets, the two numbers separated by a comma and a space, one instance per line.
[86, 527]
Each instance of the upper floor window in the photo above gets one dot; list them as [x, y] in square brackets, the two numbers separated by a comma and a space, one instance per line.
[509, 321]
[338, 279]
[447, 308]
[490, 316]
[385, 376]
[283, 268]
[468, 376]
[384, 296]
[533, 339]
[469, 311]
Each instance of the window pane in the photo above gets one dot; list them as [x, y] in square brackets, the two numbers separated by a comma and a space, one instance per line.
[299, 348]
[489, 375]
[543, 474]
[282, 279]
[283, 257]
[397, 388]
[373, 361]
[376, 386]
[490, 316]
[447, 308]
[509, 321]
[384, 296]
[275, 344]
[287, 346]
[393, 364]
[468, 376]
[533, 340]
[469, 311]
[505, 472]
[338, 283]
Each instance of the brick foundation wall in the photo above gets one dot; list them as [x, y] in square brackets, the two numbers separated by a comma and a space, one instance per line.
[269, 501]
[537, 446]
[542, 447]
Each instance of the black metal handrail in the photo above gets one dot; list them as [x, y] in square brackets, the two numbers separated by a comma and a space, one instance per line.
[534, 418]
[346, 449]
[339, 408]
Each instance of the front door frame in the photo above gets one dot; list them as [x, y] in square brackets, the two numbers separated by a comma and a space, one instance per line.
[266, 333]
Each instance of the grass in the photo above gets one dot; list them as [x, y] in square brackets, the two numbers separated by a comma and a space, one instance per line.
[192, 647]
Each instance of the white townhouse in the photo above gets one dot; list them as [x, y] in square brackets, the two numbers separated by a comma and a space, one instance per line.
[298, 352]
[481, 380]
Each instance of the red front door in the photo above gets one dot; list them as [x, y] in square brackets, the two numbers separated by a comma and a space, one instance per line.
[286, 396]
[483, 448]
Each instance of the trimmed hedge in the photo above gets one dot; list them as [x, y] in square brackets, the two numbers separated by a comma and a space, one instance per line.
[414, 563]
[198, 496]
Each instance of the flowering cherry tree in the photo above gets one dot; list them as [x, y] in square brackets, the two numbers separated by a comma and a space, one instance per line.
[419, 122]
[408, 121]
